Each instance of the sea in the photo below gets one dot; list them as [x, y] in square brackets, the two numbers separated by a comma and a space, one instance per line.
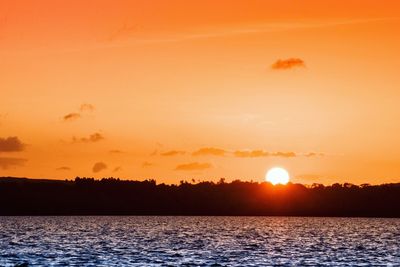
[198, 241]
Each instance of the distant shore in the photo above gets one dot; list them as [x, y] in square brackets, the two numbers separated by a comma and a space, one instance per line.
[111, 196]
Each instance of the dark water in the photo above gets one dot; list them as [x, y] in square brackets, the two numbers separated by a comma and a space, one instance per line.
[222, 241]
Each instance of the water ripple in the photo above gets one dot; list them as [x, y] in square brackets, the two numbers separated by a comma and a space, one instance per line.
[198, 241]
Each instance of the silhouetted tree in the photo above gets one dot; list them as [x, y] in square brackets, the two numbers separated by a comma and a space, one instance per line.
[108, 196]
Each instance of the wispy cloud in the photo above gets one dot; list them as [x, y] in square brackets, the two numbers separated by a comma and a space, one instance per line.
[314, 154]
[284, 154]
[261, 28]
[117, 169]
[214, 32]
[289, 63]
[11, 144]
[8, 163]
[194, 166]
[77, 115]
[72, 117]
[99, 166]
[245, 153]
[207, 151]
[250, 153]
[231, 30]
[93, 138]
[262, 153]
[173, 153]
[158, 147]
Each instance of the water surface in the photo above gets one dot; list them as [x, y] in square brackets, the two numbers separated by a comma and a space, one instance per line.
[219, 241]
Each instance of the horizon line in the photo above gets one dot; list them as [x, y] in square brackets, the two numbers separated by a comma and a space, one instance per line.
[222, 180]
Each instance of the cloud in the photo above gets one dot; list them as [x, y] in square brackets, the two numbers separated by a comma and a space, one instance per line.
[313, 154]
[173, 153]
[116, 169]
[194, 166]
[147, 164]
[250, 153]
[91, 139]
[11, 144]
[284, 64]
[99, 166]
[257, 153]
[7, 163]
[158, 147]
[77, 115]
[284, 154]
[262, 153]
[86, 107]
[127, 32]
[209, 151]
[63, 168]
[72, 117]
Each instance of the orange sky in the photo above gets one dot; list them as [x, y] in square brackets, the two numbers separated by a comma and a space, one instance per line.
[177, 90]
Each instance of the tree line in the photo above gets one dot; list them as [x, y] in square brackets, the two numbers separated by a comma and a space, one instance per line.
[112, 196]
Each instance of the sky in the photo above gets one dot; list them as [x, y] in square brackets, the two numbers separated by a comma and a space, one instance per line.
[181, 90]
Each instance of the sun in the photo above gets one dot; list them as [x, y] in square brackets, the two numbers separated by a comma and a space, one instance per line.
[277, 175]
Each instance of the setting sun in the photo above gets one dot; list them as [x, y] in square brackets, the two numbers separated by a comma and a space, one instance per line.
[277, 176]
